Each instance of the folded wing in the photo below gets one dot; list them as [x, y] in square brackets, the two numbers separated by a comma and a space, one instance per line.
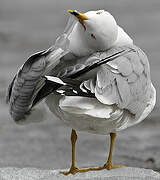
[125, 81]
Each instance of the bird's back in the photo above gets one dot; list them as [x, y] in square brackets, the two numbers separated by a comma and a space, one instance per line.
[122, 89]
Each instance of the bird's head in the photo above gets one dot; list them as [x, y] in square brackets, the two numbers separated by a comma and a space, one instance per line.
[94, 31]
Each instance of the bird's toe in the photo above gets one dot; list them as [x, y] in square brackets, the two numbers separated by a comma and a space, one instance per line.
[110, 166]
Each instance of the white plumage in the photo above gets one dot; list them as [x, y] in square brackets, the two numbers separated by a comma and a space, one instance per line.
[122, 88]
[124, 95]
[94, 79]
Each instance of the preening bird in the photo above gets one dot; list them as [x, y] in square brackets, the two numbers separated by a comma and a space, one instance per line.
[94, 79]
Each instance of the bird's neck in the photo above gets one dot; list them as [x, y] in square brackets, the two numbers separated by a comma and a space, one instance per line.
[123, 38]
[81, 47]
[78, 42]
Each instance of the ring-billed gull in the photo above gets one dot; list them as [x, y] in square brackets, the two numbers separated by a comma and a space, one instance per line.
[94, 78]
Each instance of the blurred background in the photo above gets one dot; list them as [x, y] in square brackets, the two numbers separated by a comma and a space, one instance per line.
[33, 25]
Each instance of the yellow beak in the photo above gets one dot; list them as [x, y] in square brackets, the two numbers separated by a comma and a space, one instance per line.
[81, 17]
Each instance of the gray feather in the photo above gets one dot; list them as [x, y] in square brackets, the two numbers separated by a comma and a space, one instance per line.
[23, 87]
[116, 82]
[125, 81]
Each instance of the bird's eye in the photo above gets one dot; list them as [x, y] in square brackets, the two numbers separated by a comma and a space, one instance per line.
[93, 36]
[99, 12]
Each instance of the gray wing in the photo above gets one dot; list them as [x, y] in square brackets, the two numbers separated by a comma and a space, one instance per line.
[24, 85]
[29, 81]
[29, 86]
[124, 82]
[69, 70]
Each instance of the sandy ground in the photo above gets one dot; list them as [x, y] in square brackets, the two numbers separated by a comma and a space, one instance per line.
[29, 26]
[126, 173]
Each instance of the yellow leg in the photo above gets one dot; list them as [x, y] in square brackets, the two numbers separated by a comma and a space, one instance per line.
[73, 170]
[109, 165]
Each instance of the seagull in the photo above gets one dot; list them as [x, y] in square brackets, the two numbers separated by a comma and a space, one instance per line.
[94, 78]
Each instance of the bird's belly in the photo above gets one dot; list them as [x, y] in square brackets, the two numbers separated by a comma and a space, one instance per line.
[86, 114]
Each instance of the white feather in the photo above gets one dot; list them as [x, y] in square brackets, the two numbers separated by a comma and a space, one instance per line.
[55, 79]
